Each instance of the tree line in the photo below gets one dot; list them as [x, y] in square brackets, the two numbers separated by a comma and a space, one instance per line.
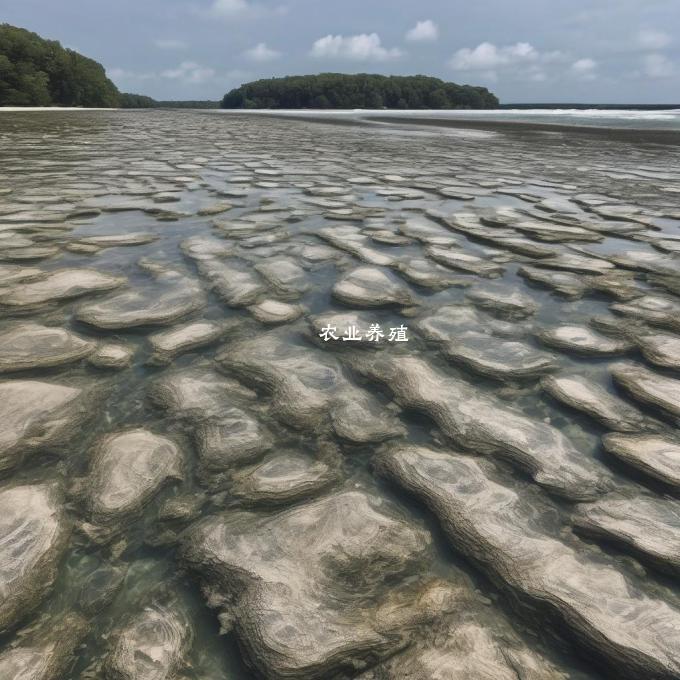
[360, 91]
[39, 72]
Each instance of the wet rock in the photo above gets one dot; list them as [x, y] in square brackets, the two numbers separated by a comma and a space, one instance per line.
[33, 537]
[152, 646]
[112, 355]
[126, 470]
[462, 648]
[372, 287]
[654, 455]
[26, 346]
[657, 310]
[569, 285]
[45, 653]
[499, 359]
[234, 281]
[168, 344]
[429, 274]
[508, 303]
[61, 284]
[170, 297]
[286, 277]
[12, 274]
[233, 438]
[303, 585]
[352, 240]
[489, 523]
[586, 396]
[308, 388]
[647, 525]
[215, 209]
[660, 349]
[283, 478]
[485, 425]
[579, 264]
[465, 262]
[583, 340]
[198, 394]
[112, 240]
[650, 388]
[275, 312]
[39, 415]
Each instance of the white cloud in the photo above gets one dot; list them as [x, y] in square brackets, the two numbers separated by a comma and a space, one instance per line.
[230, 8]
[488, 57]
[651, 39]
[423, 31]
[584, 69]
[362, 47]
[120, 74]
[261, 53]
[190, 72]
[242, 9]
[170, 44]
[657, 66]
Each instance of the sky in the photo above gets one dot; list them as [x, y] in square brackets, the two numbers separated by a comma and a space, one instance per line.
[592, 51]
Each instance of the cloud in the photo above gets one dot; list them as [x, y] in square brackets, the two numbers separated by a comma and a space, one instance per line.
[651, 39]
[230, 8]
[261, 53]
[585, 69]
[190, 72]
[169, 44]
[364, 47]
[233, 9]
[657, 66]
[120, 74]
[423, 31]
[488, 57]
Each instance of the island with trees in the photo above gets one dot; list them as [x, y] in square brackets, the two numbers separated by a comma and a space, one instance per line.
[359, 91]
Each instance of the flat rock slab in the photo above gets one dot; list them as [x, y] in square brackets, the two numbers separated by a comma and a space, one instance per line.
[485, 425]
[127, 469]
[234, 438]
[112, 355]
[111, 240]
[655, 309]
[509, 303]
[590, 398]
[583, 340]
[184, 338]
[372, 287]
[309, 389]
[489, 523]
[47, 653]
[33, 537]
[566, 284]
[153, 645]
[499, 359]
[38, 415]
[61, 284]
[660, 349]
[30, 345]
[170, 297]
[305, 584]
[654, 455]
[464, 262]
[283, 478]
[650, 388]
[275, 312]
[648, 525]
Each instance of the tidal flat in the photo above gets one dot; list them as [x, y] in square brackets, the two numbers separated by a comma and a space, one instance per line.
[478, 478]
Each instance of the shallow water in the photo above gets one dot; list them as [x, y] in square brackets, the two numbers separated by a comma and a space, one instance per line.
[69, 176]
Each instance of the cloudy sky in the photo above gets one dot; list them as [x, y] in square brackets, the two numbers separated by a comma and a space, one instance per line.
[596, 51]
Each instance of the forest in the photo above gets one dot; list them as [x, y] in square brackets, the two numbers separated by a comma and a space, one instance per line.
[39, 72]
[367, 91]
